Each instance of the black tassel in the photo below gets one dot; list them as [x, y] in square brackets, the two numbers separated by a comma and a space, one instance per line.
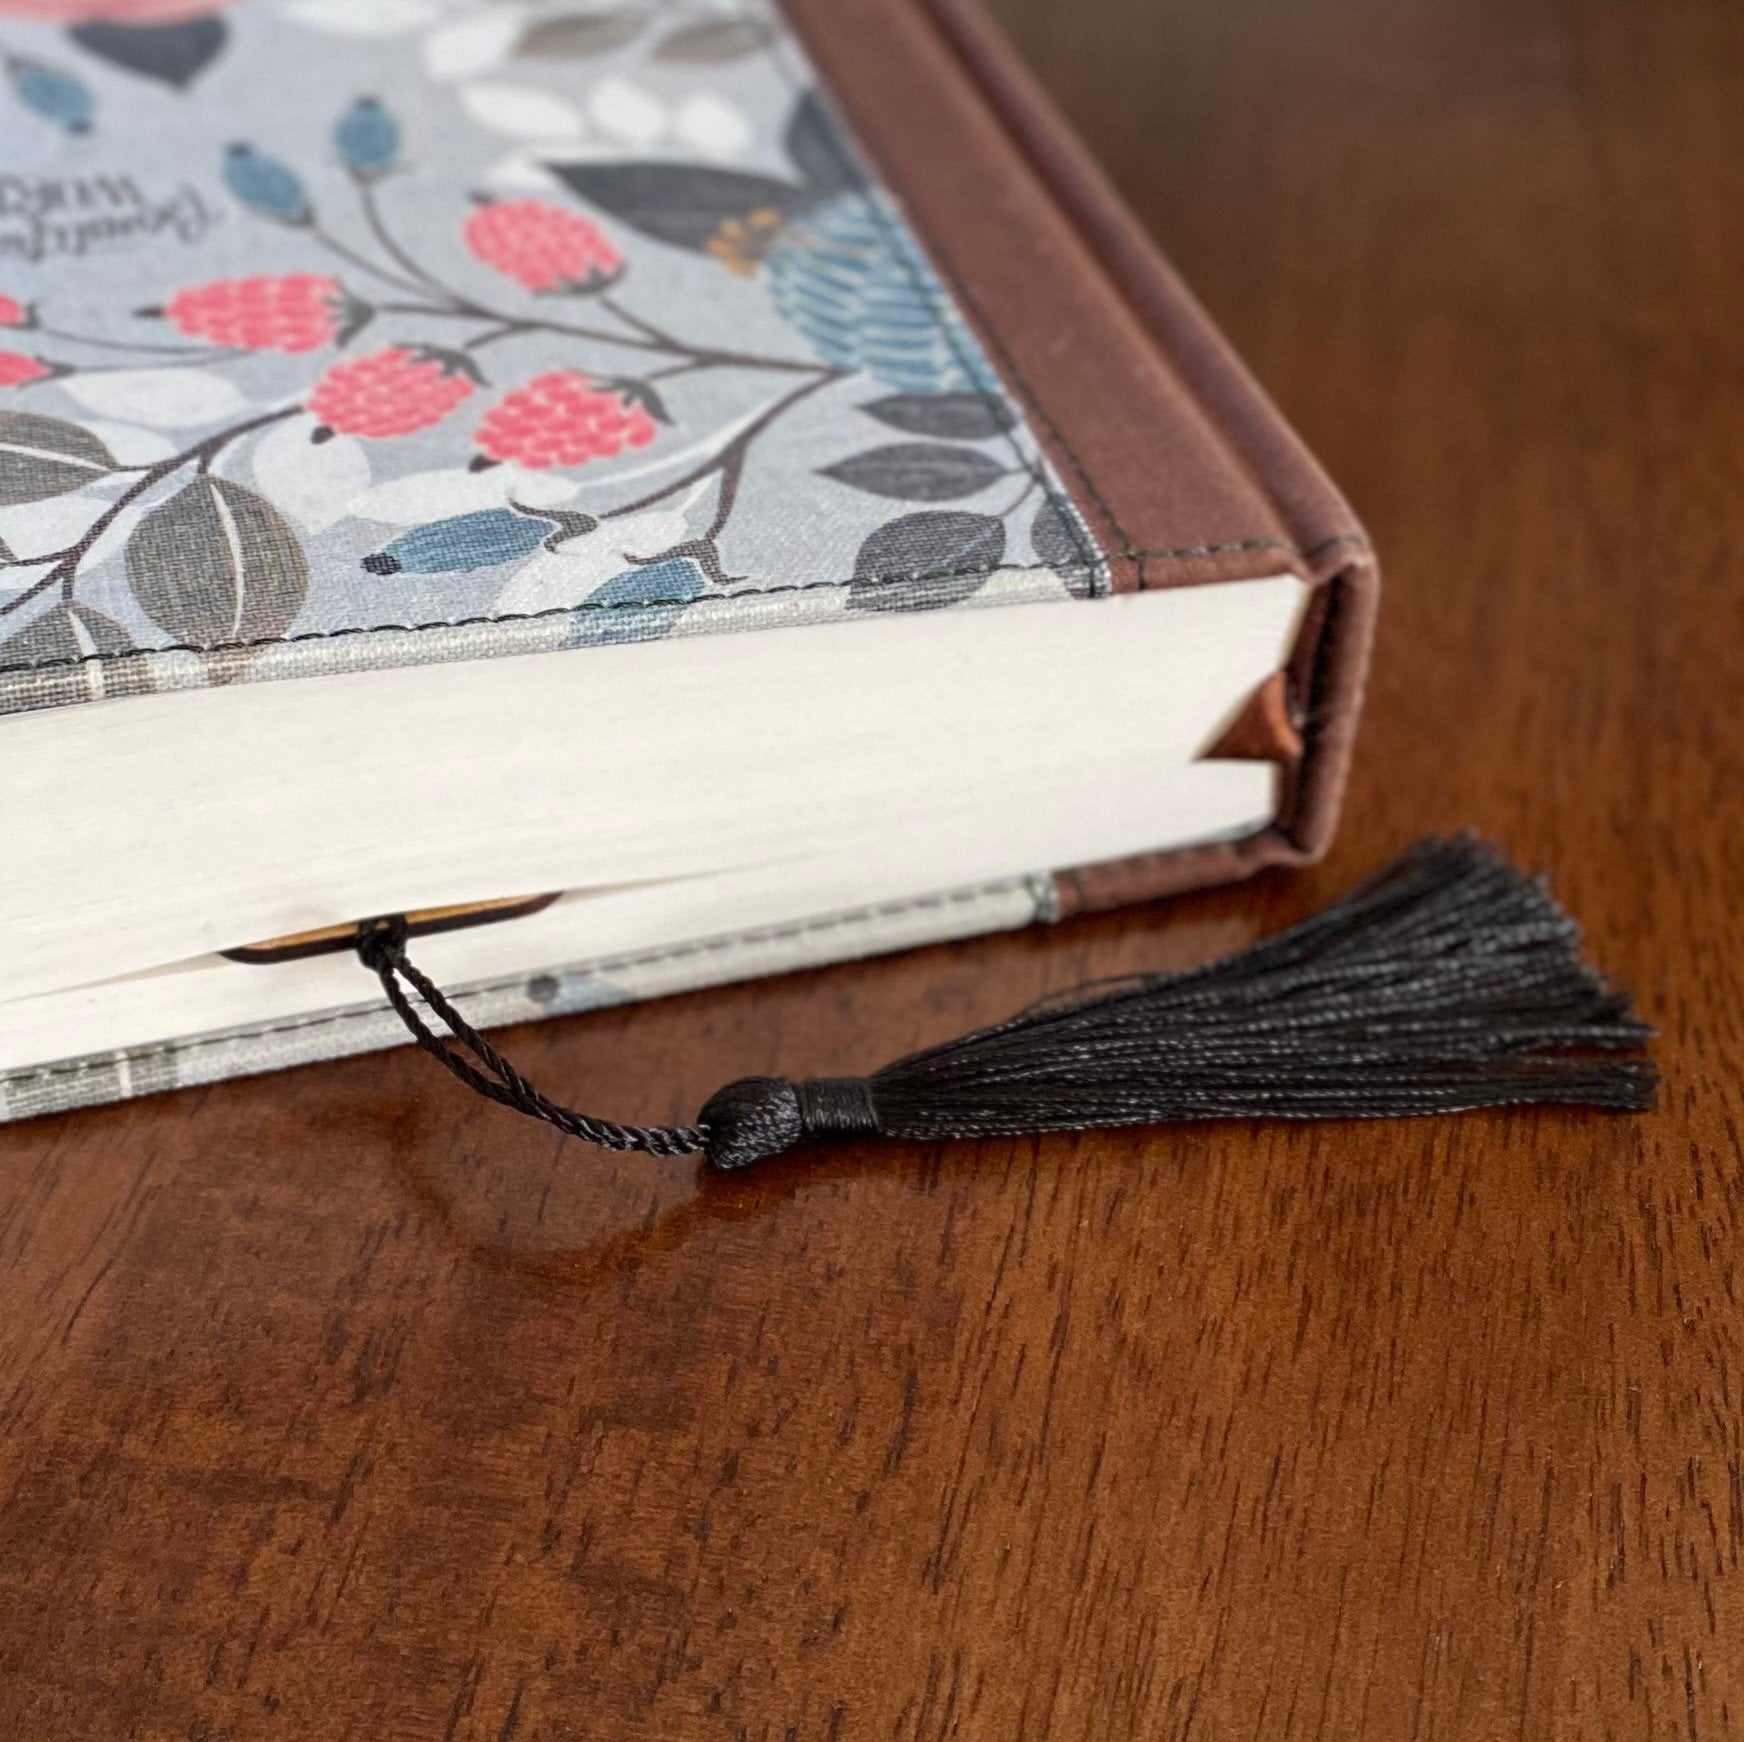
[1450, 982]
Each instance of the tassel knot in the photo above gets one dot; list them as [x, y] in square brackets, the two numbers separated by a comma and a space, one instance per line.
[757, 1117]
[750, 1119]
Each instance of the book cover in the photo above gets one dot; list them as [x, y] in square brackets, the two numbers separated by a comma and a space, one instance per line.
[350, 337]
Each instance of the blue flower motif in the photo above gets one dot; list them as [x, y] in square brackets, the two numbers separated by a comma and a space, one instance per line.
[55, 96]
[266, 186]
[479, 540]
[611, 613]
[853, 280]
[368, 139]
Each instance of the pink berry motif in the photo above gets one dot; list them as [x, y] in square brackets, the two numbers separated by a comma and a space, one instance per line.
[14, 313]
[117, 12]
[563, 419]
[19, 367]
[392, 392]
[291, 311]
[541, 246]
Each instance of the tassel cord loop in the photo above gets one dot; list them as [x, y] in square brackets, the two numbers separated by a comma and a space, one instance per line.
[382, 945]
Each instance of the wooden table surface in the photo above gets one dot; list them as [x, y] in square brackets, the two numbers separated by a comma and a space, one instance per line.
[340, 1406]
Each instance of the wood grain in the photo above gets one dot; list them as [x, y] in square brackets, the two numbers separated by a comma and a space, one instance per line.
[334, 1406]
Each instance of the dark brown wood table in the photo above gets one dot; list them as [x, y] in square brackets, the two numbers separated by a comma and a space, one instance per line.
[339, 1406]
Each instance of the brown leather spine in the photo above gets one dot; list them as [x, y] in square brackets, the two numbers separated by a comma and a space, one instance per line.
[1183, 468]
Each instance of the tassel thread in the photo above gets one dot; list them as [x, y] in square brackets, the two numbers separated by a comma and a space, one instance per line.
[1449, 982]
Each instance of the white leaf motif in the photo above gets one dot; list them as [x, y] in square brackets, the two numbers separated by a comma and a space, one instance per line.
[521, 111]
[427, 496]
[131, 445]
[474, 45]
[562, 578]
[162, 398]
[627, 112]
[379, 18]
[711, 125]
[1020, 584]
[31, 528]
[536, 489]
[523, 169]
[313, 482]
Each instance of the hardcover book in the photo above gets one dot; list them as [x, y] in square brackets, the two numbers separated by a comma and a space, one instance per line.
[659, 492]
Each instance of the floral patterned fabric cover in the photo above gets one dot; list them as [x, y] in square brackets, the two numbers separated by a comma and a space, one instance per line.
[338, 333]
[349, 333]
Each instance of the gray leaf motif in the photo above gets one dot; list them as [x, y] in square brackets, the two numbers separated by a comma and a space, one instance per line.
[681, 203]
[815, 145]
[577, 35]
[45, 456]
[922, 561]
[176, 53]
[1058, 537]
[217, 564]
[715, 41]
[64, 635]
[918, 471]
[951, 417]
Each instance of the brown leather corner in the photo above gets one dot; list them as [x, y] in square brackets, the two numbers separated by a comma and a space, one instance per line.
[1183, 469]
[1263, 729]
